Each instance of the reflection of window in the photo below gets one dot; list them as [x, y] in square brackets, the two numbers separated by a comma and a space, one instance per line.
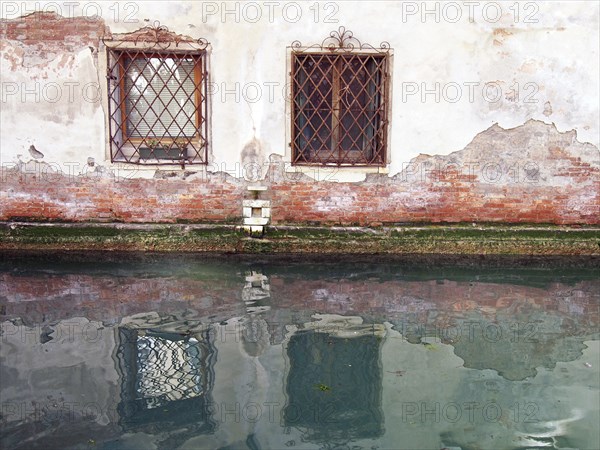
[334, 386]
[157, 106]
[339, 109]
[166, 379]
[168, 370]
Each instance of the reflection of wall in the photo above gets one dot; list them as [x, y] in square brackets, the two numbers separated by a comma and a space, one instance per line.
[248, 392]
[42, 296]
[58, 374]
[514, 345]
[255, 364]
[507, 327]
[440, 308]
[431, 400]
[411, 386]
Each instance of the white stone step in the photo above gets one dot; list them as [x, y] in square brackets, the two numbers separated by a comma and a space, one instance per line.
[256, 220]
[256, 203]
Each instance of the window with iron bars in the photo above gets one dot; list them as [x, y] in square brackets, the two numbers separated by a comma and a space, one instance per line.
[157, 106]
[339, 106]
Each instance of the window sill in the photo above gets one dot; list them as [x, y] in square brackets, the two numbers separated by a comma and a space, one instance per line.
[136, 170]
[307, 168]
[336, 173]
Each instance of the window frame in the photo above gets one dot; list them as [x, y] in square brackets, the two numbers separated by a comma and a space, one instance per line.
[343, 47]
[123, 144]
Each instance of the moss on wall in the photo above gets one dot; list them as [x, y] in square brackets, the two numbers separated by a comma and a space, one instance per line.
[426, 239]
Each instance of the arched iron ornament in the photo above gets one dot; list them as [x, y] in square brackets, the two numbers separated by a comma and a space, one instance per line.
[341, 40]
[156, 36]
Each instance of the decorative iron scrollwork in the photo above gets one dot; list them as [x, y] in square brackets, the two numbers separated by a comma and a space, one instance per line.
[157, 35]
[341, 39]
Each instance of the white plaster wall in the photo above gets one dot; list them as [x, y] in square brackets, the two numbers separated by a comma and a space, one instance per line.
[542, 61]
[50, 101]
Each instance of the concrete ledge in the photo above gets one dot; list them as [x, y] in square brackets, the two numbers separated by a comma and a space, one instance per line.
[460, 239]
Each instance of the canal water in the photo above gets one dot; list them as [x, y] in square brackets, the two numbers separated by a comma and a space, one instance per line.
[182, 352]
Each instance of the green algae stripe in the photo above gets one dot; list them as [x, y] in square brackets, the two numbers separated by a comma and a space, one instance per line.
[457, 239]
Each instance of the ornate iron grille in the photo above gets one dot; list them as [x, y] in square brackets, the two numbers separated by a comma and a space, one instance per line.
[157, 106]
[340, 102]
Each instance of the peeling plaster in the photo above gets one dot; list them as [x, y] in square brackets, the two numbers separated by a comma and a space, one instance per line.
[550, 52]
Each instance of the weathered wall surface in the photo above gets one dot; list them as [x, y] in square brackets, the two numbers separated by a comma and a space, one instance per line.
[530, 174]
[507, 87]
[50, 95]
[526, 174]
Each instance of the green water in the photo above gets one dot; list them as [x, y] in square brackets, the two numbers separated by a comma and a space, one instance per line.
[165, 352]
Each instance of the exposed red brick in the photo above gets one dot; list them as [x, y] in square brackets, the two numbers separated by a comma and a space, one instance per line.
[42, 27]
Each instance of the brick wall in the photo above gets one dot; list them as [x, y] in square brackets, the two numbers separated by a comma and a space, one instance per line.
[495, 179]
[453, 201]
[26, 197]
[39, 195]
[49, 28]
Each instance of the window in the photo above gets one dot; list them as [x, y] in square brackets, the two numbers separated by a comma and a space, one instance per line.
[157, 104]
[340, 102]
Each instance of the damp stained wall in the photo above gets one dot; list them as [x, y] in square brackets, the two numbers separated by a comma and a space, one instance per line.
[459, 72]
[537, 55]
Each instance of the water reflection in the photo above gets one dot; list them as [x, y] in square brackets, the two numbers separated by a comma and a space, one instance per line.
[238, 355]
[166, 381]
[333, 385]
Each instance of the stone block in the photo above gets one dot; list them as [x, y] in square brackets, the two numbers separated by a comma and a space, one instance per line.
[256, 203]
[256, 221]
